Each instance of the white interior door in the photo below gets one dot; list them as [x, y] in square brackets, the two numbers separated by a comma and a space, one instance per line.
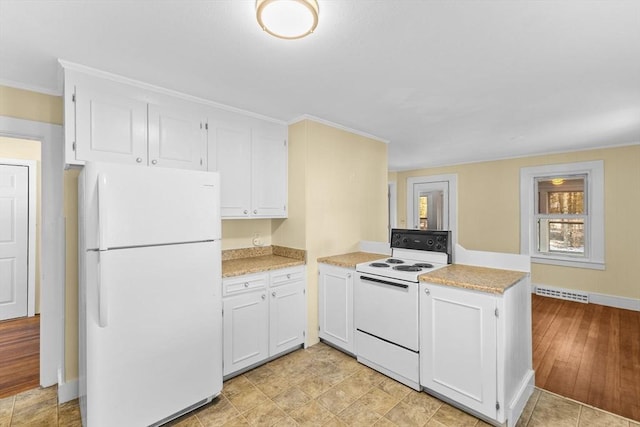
[14, 209]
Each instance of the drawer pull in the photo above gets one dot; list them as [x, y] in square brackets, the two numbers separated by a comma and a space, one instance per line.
[246, 284]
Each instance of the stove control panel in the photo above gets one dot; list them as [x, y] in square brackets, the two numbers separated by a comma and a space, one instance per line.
[422, 240]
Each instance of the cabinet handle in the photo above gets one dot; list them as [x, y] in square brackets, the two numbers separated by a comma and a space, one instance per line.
[246, 284]
[255, 211]
[349, 276]
[139, 160]
[426, 291]
[246, 211]
[288, 276]
[273, 294]
[264, 296]
[154, 162]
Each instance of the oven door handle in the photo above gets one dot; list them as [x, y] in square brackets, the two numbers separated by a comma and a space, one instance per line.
[384, 282]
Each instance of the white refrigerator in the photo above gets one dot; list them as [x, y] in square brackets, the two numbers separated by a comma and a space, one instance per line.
[150, 309]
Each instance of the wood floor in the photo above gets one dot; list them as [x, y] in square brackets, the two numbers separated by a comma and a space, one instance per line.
[588, 352]
[19, 355]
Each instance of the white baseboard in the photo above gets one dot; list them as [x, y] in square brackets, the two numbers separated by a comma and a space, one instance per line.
[603, 299]
[68, 391]
[516, 406]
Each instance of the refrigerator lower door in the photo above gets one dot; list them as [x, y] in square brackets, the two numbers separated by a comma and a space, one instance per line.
[159, 349]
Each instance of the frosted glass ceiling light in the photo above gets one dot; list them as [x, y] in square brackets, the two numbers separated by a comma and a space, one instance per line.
[287, 19]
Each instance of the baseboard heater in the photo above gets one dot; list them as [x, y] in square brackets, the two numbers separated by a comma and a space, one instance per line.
[562, 294]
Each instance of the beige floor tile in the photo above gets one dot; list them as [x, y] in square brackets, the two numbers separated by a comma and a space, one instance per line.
[394, 388]
[260, 374]
[334, 422]
[378, 401]
[314, 386]
[291, 399]
[528, 408]
[359, 414]
[217, 412]
[634, 424]
[69, 414]
[336, 399]
[322, 367]
[274, 386]
[311, 414]
[236, 386]
[286, 422]
[404, 414]
[424, 401]
[36, 395]
[238, 421]
[453, 417]
[552, 410]
[184, 421]
[590, 417]
[368, 376]
[6, 408]
[384, 422]
[265, 414]
[42, 413]
[249, 398]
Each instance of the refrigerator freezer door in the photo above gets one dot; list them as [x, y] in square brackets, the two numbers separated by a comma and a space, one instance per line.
[161, 349]
[125, 206]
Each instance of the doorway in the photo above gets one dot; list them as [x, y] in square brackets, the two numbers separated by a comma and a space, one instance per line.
[20, 161]
[51, 274]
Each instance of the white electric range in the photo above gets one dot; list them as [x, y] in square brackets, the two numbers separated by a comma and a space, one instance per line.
[386, 302]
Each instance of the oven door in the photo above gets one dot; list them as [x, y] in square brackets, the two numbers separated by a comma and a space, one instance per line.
[387, 309]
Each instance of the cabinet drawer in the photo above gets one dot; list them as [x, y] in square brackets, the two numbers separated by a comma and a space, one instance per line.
[287, 275]
[236, 285]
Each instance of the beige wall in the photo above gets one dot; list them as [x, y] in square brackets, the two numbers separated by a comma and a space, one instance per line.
[239, 233]
[27, 105]
[337, 197]
[24, 149]
[489, 215]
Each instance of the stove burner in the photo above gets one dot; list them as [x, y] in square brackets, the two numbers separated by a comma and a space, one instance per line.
[423, 265]
[407, 268]
[395, 261]
[379, 264]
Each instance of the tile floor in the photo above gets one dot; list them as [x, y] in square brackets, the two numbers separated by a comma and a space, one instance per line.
[319, 386]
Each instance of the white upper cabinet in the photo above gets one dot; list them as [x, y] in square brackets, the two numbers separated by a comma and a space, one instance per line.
[111, 121]
[252, 161]
[268, 174]
[109, 125]
[177, 137]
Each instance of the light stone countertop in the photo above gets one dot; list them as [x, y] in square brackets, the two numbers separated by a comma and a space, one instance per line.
[483, 279]
[237, 262]
[350, 259]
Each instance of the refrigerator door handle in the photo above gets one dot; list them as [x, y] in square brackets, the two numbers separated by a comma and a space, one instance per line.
[102, 211]
[103, 308]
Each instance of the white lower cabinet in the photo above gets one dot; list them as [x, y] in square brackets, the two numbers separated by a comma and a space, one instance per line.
[264, 315]
[335, 287]
[475, 350]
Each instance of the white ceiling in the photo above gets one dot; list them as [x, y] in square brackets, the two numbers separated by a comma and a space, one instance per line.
[444, 81]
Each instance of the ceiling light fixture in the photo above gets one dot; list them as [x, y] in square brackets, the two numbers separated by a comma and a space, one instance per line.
[287, 19]
[557, 181]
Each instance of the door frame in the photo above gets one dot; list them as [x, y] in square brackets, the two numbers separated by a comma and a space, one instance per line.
[52, 243]
[32, 176]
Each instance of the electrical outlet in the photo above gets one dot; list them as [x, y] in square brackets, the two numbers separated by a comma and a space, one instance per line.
[257, 240]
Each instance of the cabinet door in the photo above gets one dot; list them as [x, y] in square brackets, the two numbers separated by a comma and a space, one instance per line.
[458, 346]
[177, 137]
[336, 306]
[246, 330]
[269, 174]
[110, 126]
[233, 143]
[286, 317]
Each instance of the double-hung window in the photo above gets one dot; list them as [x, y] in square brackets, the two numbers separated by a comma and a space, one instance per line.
[562, 214]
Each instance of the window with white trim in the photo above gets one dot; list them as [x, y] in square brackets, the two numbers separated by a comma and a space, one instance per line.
[562, 214]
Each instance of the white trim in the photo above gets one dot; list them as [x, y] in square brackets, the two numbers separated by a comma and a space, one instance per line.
[68, 390]
[32, 174]
[52, 255]
[519, 401]
[600, 299]
[337, 126]
[375, 247]
[499, 260]
[594, 244]
[392, 188]
[452, 179]
[31, 88]
[83, 69]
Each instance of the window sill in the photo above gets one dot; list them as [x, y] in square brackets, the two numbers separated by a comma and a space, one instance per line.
[593, 265]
